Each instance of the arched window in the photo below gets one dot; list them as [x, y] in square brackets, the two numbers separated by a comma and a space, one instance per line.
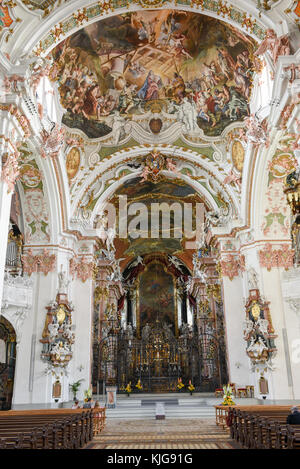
[7, 362]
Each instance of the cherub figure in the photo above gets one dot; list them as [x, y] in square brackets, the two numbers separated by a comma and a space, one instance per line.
[171, 166]
[145, 173]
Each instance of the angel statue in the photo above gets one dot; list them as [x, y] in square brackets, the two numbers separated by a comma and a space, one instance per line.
[248, 327]
[252, 279]
[275, 45]
[177, 264]
[108, 255]
[68, 334]
[188, 115]
[53, 331]
[257, 348]
[117, 124]
[139, 260]
[145, 173]
[263, 325]
[146, 331]
[171, 166]
[63, 282]
[111, 234]
[102, 225]
[197, 273]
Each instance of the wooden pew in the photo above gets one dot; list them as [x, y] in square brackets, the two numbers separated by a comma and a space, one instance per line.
[260, 426]
[99, 419]
[46, 429]
[293, 436]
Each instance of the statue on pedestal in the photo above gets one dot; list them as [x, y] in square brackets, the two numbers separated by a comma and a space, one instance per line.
[63, 282]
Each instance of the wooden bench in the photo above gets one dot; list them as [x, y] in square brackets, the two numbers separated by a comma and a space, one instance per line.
[293, 436]
[49, 429]
[259, 427]
[222, 414]
[99, 420]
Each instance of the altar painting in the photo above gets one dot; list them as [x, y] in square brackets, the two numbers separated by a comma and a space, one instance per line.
[156, 297]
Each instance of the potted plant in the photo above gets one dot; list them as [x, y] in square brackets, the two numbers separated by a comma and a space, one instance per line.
[191, 388]
[75, 388]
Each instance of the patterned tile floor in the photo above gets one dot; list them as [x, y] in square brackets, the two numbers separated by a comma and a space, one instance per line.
[162, 434]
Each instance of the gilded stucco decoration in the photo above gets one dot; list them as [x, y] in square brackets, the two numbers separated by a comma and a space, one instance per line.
[8, 20]
[270, 257]
[45, 6]
[58, 337]
[258, 330]
[44, 262]
[37, 228]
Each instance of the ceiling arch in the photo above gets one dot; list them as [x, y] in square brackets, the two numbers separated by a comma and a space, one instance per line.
[203, 175]
[69, 17]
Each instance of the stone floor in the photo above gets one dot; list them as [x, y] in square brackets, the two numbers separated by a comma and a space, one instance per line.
[162, 434]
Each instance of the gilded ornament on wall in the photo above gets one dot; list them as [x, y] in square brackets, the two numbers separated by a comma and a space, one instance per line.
[57, 337]
[282, 257]
[258, 329]
[30, 175]
[44, 262]
[47, 6]
[282, 165]
[231, 266]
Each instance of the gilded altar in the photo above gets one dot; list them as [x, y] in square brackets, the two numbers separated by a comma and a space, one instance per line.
[159, 359]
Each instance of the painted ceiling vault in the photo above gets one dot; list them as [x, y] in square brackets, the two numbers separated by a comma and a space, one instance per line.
[147, 193]
[190, 67]
[130, 83]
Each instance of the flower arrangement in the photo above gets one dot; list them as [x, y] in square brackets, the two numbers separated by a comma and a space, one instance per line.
[139, 385]
[128, 389]
[191, 387]
[88, 394]
[180, 384]
[227, 398]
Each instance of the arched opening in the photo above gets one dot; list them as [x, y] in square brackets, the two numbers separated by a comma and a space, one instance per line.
[7, 363]
[166, 328]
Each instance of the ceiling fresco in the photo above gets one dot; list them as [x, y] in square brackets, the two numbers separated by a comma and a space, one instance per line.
[47, 6]
[149, 193]
[183, 63]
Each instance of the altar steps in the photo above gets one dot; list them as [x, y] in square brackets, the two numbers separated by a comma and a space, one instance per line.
[137, 413]
[181, 406]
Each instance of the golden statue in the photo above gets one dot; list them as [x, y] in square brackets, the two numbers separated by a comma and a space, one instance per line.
[61, 315]
[255, 310]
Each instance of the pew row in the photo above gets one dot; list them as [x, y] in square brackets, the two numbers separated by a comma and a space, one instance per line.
[262, 427]
[50, 429]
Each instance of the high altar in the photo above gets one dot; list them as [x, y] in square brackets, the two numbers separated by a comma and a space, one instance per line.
[169, 331]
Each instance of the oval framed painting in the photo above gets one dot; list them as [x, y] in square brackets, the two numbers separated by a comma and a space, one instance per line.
[73, 162]
[238, 155]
